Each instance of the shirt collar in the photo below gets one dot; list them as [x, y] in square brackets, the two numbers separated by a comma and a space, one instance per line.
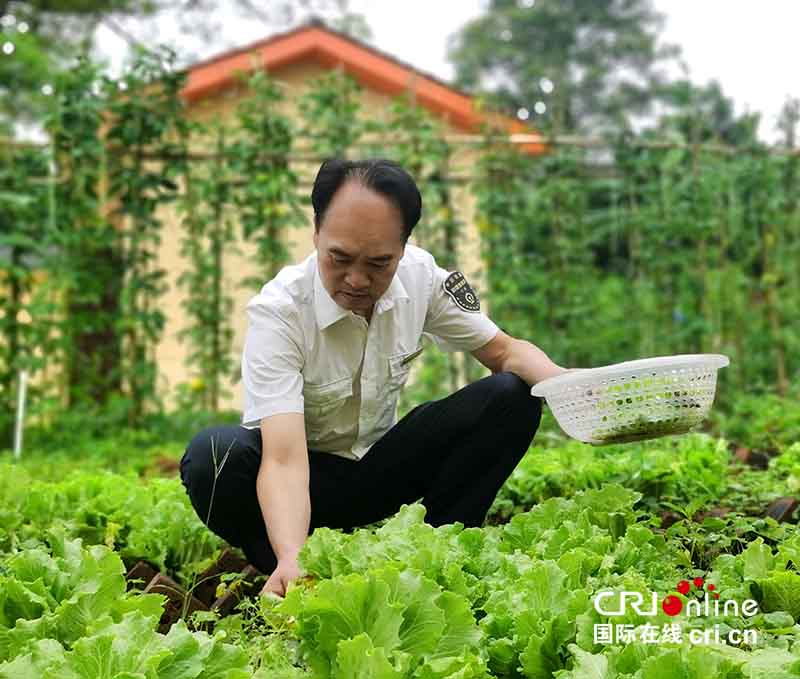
[329, 312]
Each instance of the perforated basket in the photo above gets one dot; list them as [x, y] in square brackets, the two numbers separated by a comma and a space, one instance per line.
[635, 400]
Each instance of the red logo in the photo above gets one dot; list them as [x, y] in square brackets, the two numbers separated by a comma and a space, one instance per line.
[672, 605]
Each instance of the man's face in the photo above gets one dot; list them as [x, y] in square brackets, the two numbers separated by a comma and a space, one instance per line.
[359, 246]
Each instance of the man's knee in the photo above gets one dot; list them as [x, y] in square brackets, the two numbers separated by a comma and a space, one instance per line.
[512, 388]
[199, 457]
[219, 470]
[212, 443]
[515, 394]
[211, 453]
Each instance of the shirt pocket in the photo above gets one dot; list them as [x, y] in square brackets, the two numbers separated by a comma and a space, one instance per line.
[323, 399]
[400, 366]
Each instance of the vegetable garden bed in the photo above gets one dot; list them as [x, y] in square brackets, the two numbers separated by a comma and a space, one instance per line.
[545, 589]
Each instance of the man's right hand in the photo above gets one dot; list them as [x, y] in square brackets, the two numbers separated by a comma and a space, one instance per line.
[286, 571]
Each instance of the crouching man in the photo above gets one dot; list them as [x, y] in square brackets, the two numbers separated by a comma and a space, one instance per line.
[329, 345]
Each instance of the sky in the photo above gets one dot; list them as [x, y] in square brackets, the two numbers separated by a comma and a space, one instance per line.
[752, 49]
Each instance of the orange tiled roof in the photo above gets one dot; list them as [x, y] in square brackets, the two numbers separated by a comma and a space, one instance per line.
[372, 68]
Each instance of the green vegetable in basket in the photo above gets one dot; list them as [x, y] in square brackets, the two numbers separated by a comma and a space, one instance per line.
[642, 428]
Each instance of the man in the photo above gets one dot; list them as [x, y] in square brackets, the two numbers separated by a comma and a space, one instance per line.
[329, 345]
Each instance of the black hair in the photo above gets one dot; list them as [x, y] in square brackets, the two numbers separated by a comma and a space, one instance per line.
[379, 174]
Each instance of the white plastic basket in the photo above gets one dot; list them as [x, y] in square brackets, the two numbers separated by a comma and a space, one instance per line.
[635, 400]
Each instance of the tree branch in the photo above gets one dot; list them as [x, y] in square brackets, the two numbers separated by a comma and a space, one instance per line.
[112, 25]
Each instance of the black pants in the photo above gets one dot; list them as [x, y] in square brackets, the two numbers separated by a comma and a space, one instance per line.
[454, 454]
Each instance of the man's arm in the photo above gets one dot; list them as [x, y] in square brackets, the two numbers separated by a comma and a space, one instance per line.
[282, 487]
[504, 353]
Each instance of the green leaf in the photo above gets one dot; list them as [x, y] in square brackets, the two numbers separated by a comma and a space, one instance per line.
[758, 560]
[781, 592]
[45, 659]
[341, 609]
[541, 657]
[358, 657]
[587, 666]
[465, 666]
[460, 631]
[423, 620]
[771, 663]
[131, 646]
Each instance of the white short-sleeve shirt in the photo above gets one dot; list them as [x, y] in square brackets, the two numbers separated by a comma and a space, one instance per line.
[304, 353]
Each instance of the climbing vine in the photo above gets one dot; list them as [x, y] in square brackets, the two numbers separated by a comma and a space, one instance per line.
[146, 157]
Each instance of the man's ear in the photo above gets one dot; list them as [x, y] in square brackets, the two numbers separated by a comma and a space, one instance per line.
[316, 238]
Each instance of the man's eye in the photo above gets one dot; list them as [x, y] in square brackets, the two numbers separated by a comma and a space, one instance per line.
[380, 266]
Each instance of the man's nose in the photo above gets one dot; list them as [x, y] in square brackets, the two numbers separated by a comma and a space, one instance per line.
[356, 280]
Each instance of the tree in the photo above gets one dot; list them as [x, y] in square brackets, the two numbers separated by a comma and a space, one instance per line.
[38, 38]
[334, 13]
[197, 29]
[701, 114]
[579, 65]
[788, 120]
[25, 68]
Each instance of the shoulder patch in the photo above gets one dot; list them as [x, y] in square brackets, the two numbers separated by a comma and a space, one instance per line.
[463, 295]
